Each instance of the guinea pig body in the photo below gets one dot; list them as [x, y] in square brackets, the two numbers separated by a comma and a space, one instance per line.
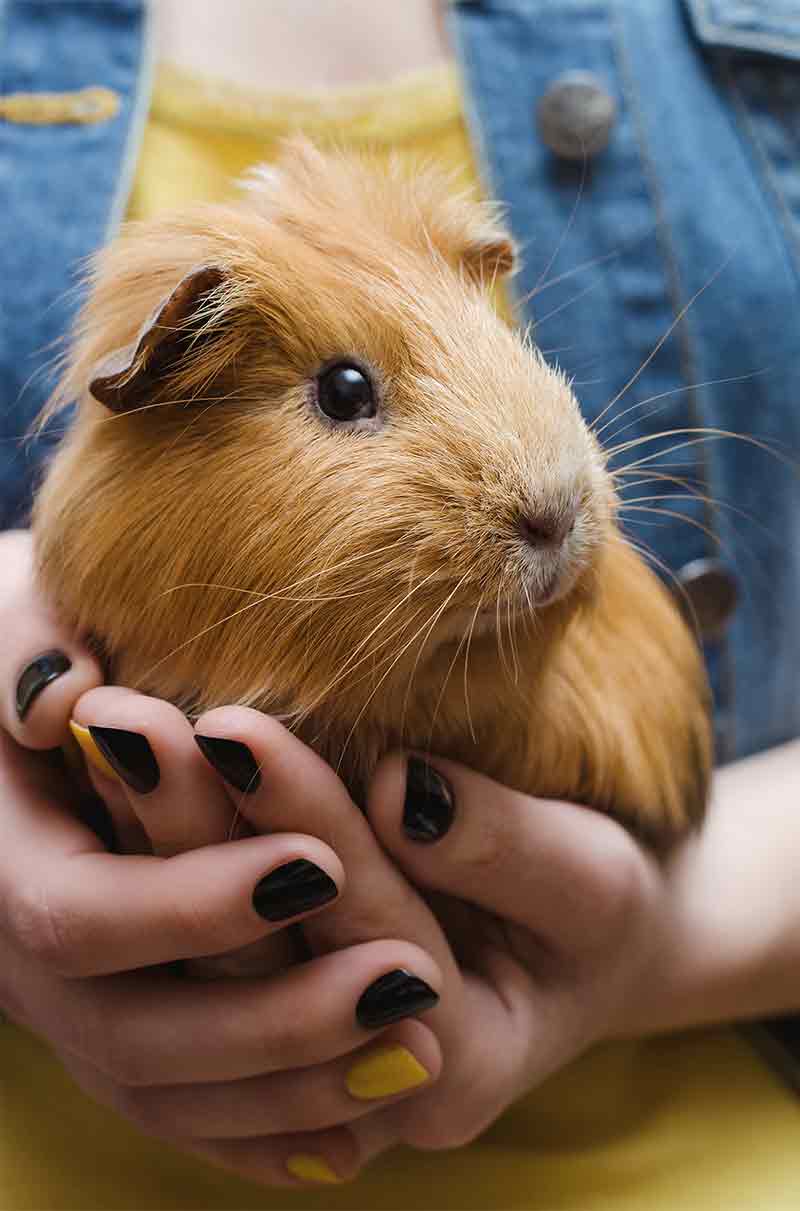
[313, 472]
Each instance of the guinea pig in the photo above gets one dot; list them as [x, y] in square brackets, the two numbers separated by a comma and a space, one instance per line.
[313, 472]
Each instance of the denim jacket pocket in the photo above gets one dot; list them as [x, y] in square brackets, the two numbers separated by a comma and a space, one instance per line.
[769, 27]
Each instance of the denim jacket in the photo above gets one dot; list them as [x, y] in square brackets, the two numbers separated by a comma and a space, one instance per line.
[660, 266]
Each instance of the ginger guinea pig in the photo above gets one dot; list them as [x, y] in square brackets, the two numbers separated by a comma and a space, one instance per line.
[313, 472]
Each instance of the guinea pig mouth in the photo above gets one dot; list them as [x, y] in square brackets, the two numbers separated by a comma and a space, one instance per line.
[535, 592]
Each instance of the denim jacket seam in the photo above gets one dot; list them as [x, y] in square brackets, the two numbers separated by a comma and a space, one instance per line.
[747, 129]
[685, 342]
[663, 231]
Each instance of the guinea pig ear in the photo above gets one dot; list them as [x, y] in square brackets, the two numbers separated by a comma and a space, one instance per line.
[126, 378]
[488, 255]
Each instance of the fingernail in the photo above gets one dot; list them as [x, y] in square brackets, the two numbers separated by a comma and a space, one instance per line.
[311, 1168]
[398, 994]
[384, 1072]
[36, 675]
[429, 804]
[129, 754]
[291, 889]
[233, 760]
[93, 754]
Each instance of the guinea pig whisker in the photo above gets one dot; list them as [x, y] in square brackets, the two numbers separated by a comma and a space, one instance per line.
[470, 636]
[651, 399]
[467, 636]
[236, 613]
[567, 228]
[349, 666]
[757, 566]
[592, 263]
[429, 625]
[709, 500]
[692, 521]
[512, 638]
[708, 434]
[650, 557]
[665, 337]
[691, 490]
[542, 319]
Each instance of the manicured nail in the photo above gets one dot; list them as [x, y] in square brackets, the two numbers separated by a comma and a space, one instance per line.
[36, 675]
[429, 804]
[384, 1072]
[291, 889]
[129, 754]
[311, 1168]
[93, 754]
[396, 995]
[233, 760]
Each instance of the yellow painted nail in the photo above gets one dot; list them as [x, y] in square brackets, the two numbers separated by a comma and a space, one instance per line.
[93, 754]
[383, 1072]
[311, 1168]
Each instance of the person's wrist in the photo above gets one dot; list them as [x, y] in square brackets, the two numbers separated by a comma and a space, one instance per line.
[726, 945]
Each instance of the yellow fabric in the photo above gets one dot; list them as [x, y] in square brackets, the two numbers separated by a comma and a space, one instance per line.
[690, 1123]
[202, 134]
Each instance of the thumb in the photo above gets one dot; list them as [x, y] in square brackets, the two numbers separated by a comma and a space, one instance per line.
[44, 668]
[560, 869]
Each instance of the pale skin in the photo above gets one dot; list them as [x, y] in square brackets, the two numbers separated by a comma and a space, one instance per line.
[600, 941]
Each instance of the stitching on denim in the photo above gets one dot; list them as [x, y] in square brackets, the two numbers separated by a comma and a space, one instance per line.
[687, 355]
[748, 127]
[664, 237]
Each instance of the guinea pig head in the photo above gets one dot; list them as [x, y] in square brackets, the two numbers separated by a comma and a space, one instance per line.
[308, 455]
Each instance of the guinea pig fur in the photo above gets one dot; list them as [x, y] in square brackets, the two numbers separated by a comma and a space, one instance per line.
[313, 472]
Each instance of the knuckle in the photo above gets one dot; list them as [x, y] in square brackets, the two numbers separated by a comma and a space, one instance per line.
[488, 849]
[120, 1058]
[434, 1133]
[621, 886]
[46, 929]
[150, 1109]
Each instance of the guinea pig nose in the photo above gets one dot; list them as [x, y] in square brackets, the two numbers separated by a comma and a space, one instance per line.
[547, 529]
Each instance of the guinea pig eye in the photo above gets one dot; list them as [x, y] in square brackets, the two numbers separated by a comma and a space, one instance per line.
[344, 392]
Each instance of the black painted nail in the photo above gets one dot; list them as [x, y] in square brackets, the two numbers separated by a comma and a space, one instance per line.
[291, 889]
[429, 805]
[233, 760]
[36, 675]
[396, 995]
[130, 755]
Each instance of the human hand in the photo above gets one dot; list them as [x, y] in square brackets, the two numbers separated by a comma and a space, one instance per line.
[87, 937]
[525, 995]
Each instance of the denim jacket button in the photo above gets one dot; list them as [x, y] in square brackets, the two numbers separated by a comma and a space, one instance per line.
[576, 115]
[709, 593]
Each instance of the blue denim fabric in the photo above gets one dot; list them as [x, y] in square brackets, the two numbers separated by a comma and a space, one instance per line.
[694, 203]
[696, 197]
[63, 188]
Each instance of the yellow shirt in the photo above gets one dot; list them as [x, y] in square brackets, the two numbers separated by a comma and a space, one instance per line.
[689, 1123]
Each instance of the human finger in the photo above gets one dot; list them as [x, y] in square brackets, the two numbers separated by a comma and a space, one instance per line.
[160, 1029]
[280, 784]
[325, 1157]
[148, 746]
[556, 868]
[81, 911]
[44, 667]
[381, 1073]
